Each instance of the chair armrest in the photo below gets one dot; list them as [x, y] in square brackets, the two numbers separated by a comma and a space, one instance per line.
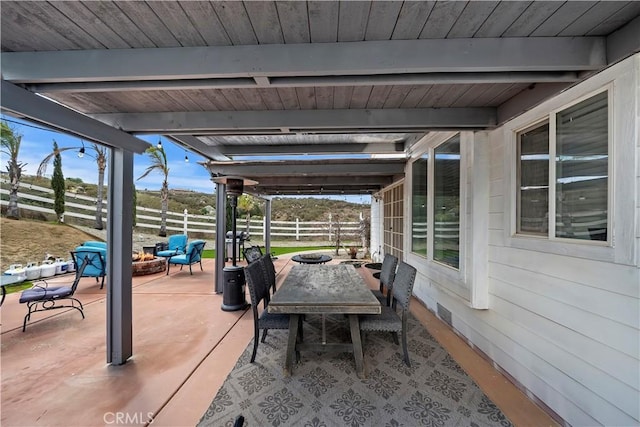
[37, 284]
[175, 253]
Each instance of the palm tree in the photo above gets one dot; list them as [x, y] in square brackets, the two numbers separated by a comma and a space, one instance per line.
[101, 161]
[159, 163]
[10, 143]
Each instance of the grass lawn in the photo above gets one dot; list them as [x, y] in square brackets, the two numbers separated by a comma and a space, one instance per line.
[18, 287]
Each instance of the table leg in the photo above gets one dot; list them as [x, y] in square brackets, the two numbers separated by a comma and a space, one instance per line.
[324, 329]
[354, 324]
[291, 344]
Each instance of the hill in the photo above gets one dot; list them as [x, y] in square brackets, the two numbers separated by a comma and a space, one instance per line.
[27, 240]
[282, 208]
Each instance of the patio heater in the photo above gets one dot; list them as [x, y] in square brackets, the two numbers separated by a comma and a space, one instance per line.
[233, 293]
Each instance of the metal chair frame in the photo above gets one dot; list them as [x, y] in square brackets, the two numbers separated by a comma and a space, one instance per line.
[44, 298]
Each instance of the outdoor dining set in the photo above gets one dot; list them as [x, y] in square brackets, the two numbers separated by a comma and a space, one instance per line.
[329, 289]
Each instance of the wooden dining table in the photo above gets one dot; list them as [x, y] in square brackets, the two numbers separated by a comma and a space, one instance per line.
[324, 289]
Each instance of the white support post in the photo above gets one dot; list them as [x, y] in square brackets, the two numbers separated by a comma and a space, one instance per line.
[362, 236]
[264, 228]
[184, 222]
[297, 229]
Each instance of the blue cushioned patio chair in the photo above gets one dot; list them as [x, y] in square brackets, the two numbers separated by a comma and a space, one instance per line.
[42, 297]
[95, 244]
[177, 245]
[97, 265]
[193, 255]
[389, 320]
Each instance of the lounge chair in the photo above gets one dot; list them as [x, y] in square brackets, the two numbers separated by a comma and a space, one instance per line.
[42, 297]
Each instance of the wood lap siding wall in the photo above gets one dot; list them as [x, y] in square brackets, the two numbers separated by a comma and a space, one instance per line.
[566, 324]
[563, 317]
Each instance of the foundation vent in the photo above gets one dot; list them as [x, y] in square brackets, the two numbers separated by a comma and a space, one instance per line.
[445, 315]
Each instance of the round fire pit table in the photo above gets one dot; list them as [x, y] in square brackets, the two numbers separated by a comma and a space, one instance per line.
[311, 259]
[374, 265]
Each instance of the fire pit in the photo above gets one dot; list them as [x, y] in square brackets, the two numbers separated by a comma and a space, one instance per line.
[145, 263]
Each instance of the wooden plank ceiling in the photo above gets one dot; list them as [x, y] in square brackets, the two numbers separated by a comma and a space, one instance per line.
[352, 79]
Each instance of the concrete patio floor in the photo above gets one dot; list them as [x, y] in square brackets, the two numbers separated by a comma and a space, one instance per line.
[55, 373]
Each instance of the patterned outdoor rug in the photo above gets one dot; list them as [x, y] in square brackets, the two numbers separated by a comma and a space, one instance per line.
[325, 391]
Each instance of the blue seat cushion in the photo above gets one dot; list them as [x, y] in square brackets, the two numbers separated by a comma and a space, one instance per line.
[169, 252]
[95, 244]
[179, 259]
[37, 294]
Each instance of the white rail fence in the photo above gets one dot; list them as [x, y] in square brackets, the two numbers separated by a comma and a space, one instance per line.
[40, 199]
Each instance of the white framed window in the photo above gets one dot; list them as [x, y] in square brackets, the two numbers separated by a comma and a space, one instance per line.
[436, 203]
[446, 202]
[533, 180]
[419, 205]
[563, 167]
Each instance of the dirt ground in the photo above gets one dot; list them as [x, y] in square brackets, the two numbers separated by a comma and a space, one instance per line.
[22, 241]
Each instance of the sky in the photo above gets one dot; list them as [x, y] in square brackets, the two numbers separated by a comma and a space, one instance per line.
[37, 143]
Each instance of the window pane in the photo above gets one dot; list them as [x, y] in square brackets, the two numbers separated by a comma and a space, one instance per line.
[419, 208]
[533, 188]
[446, 239]
[582, 170]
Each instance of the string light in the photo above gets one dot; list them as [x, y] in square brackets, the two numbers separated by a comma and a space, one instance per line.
[81, 151]
[159, 144]
[186, 158]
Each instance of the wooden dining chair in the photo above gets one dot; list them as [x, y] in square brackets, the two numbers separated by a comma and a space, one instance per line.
[269, 271]
[389, 320]
[259, 291]
[387, 276]
[252, 253]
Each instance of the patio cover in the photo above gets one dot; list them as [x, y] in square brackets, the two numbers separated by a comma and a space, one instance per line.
[353, 80]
